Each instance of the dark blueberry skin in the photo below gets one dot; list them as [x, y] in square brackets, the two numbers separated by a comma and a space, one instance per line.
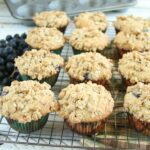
[1, 75]
[86, 76]
[137, 95]
[16, 36]
[8, 37]
[2, 67]
[23, 35]
[2, 61]
[6, 81]
[10, 67]
[10, 58]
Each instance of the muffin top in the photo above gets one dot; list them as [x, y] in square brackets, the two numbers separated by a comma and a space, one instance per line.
[133, 41]
[135, 66]
[96, 20]
[131, 23]
[85, 103]
[26, 101]
[137, 101]
[39, 64]
[57, 19]
[46, 38]
[89, 66]
[88, 39]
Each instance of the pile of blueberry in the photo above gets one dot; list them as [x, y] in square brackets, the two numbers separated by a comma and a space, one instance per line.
[10, 48]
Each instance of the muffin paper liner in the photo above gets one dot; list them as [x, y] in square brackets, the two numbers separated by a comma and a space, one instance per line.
[86, 128]
[138, 125]
[99, 82]
[50, 80]
[58, 51]
[76, 52]
[29, 126]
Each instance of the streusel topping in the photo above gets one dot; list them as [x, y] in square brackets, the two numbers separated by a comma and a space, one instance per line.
[132, 23]
[133, 41]
[57, 19]
[85, 103]
[39, 64]
[135, 66]
[137, 101]
[96, 20]
[91, 66]
[46, 38]
[26, 101]
[88, 39]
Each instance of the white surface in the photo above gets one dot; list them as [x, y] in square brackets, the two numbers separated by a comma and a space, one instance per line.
[9, 25]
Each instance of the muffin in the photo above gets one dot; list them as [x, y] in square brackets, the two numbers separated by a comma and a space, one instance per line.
[89, 67]
[26, 105]
[88, 40]
[135, 67]
[137, 104]
[95, 20]
[132, 41]
[131, 23]
[49, 39]
[85, 107]
[52, 19]
[39, 65]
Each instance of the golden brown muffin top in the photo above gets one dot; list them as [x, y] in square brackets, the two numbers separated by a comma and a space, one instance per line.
[137, 101]
[39, 64]
[96, 20]
[57, 19]
[26, 101]
[91, 66]
[88, 39]
[85, 103]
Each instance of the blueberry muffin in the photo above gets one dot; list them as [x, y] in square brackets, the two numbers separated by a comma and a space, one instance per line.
[52, 19]
[95, 20]
[85, 107]
[49, 39]
[39, 65]
[135, 67]
[131, 23]
[88, 40]
[89, 67]
[132, 41]
[137, 104]
[26, 105]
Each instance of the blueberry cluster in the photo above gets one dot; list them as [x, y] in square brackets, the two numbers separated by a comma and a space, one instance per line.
[10, 48]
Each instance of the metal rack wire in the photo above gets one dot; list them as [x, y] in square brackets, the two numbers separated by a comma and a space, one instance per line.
[117, 133]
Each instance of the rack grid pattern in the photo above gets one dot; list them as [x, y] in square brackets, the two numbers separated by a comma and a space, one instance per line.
[117, 133]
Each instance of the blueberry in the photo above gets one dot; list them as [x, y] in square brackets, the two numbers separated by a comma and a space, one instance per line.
[8, 37]
[16, 36]
[10, 58]
[137, 95]
[2, 61]
[23, 35]
[86, 76]
[2, 67]
[6, 81]
[10, 67]
[1, 52]
[2, 41]
[15, 74]
[12, 43]
[18, 78]
[9, 50]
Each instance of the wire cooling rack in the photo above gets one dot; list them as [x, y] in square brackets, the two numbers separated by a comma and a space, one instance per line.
[117, 133]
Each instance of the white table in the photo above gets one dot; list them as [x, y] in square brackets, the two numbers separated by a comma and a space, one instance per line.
[9, 25]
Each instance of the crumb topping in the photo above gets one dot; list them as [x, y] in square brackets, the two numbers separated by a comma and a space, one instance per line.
[132, 23]
[89, 66]
[57, 19]
[137, 101]
[85, 103]
[27, 101]
[46, 38]
[96, 20]
[135, 66]
[39, 64]
[133, 41]
[87, 39]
